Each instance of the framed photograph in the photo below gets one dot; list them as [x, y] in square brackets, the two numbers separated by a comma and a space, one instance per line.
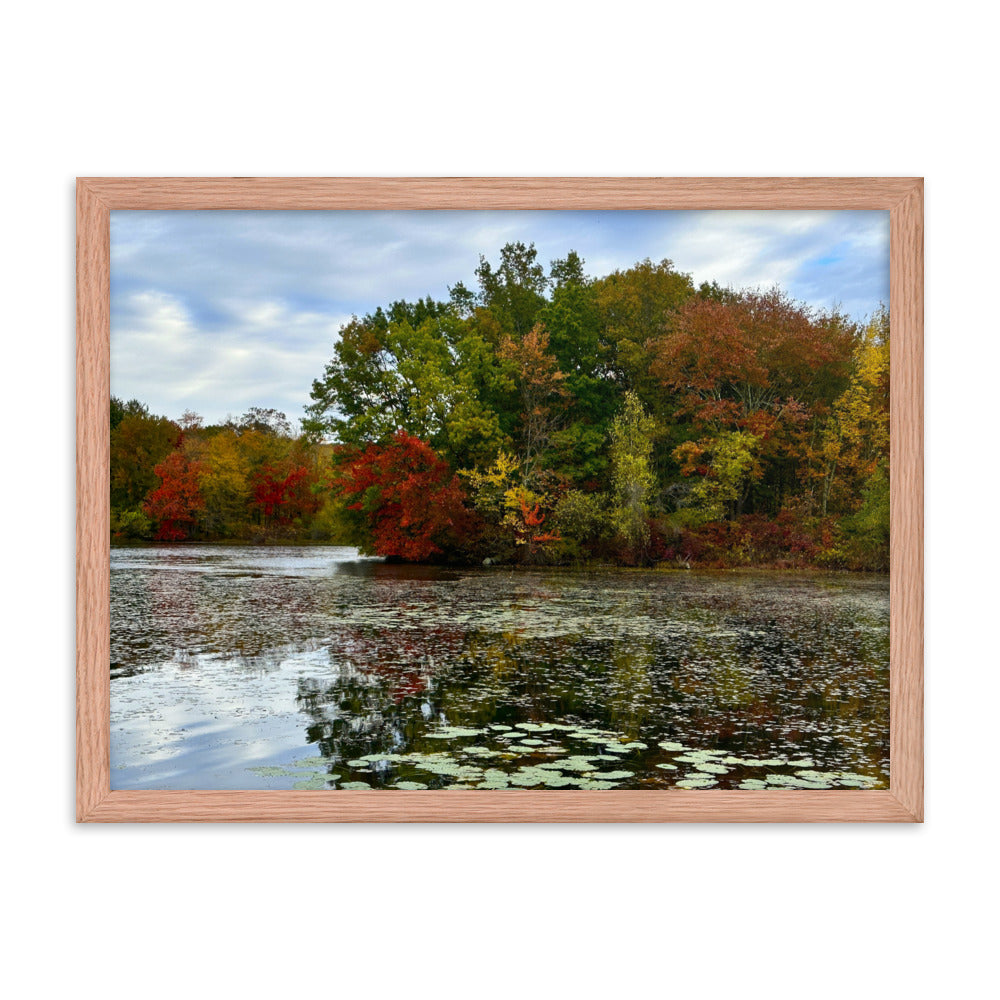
[499, 499]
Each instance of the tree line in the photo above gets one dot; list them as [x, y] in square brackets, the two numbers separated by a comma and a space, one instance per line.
[549, 416]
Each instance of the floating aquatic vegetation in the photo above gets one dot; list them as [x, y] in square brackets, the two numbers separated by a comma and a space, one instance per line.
[787, 781]
[355, 785]
[411, 785]
[628, 666]
[315, 782]
[755, 763]
[696, 783]
[573, 764]
[312, 762]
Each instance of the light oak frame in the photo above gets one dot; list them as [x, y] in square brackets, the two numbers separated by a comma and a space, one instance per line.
[902, 802]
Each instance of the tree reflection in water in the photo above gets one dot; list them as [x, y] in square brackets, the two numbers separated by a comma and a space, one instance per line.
[497, 679]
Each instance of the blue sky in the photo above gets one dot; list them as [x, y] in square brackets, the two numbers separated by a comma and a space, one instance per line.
[219, 311]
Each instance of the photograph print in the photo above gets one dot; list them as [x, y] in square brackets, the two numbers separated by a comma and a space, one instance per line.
[497, 500]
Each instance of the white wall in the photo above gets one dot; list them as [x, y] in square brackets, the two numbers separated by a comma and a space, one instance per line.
[311, 88]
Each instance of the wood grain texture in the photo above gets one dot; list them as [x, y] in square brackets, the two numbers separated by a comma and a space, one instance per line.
[903, 802]
[508, 806]
[906, 501]
[93, 473]
[499, 192]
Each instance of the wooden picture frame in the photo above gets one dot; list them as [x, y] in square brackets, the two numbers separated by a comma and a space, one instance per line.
[902, 802]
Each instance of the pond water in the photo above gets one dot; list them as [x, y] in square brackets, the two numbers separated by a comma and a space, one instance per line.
[241, 668]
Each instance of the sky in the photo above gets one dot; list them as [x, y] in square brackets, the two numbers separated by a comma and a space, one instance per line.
[218, 311]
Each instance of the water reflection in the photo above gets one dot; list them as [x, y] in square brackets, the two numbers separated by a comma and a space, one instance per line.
[307, 667]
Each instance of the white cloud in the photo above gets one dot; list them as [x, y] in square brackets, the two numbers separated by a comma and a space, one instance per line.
[266, 354]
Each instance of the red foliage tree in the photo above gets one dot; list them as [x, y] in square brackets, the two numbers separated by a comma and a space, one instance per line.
[177, 501]
[284, 496]
[413, 504]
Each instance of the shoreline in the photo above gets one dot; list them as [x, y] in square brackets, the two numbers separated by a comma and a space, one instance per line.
[581, 567]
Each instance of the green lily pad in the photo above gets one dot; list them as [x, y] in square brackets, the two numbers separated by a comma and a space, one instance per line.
[315, 782]
[312, 762]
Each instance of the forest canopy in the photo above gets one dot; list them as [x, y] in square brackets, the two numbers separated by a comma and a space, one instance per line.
[547, 416]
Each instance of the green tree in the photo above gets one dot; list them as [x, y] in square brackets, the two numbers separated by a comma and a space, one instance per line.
[514, 290]
[632, 479]
[422, 376]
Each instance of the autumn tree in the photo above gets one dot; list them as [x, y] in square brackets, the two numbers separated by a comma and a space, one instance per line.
[731, 359]
[727, 466]
[284, 494]
[177, 502]
[224, 482]
[540, 385]
[855, 438]
[139, 442]
[410, 503]
[635, 306]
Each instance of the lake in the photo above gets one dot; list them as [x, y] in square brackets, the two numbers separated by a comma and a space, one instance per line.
[309, 667]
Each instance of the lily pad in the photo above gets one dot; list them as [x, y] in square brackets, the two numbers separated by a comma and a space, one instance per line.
[312, 783]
